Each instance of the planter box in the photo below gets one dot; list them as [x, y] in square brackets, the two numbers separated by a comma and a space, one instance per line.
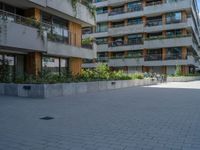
[65, 89]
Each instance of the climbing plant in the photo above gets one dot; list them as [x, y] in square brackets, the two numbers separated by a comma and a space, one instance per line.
[91, 8]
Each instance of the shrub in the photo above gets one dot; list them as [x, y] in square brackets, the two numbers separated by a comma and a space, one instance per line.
[178, 71]
[137, 76]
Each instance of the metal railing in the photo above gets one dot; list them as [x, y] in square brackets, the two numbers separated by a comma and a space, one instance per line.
[154, 22]
[129, 42]
[168, 37]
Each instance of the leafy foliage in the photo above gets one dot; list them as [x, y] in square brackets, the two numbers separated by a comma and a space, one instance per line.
[178, 71]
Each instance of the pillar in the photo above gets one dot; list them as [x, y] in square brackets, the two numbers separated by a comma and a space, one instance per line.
[184, 16]
[75, 39]
[75, 66]
[75, 34]
[164, 53]
[33, 60]
[33, 63]
[125, 39]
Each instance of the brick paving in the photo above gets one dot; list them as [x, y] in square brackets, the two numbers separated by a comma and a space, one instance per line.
[139, 118]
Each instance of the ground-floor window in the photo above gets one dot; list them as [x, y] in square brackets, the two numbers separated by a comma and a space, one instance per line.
[7, 67]
[55, 65]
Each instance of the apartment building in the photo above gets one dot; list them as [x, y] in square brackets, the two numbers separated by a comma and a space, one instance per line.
[37, 35]
[146, 35]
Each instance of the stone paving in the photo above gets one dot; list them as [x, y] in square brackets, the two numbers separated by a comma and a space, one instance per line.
[139, 118]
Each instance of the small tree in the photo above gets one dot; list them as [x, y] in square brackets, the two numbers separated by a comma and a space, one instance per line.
[178, 71]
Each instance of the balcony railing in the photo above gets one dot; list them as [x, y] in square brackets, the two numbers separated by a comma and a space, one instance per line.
[168, 37]
[161, 57]
[154, 3]
[130, 42]
[122, 10]
[155, 22]
[116, 12]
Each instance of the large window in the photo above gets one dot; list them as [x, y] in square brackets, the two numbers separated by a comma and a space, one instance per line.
[102, 10]
[173, 33]
[153, 55]
[135, 39]
[55, 65]
[135, 6]
[102, 40]
[102, 27]
[134, 21]
[174, 17]
[58, 31]
[135, 54]
[174, 53]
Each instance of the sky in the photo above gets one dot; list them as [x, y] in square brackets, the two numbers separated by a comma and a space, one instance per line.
[198, 1]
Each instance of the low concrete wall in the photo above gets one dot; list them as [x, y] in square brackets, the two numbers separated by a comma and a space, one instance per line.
[182, 79]
[65, 89]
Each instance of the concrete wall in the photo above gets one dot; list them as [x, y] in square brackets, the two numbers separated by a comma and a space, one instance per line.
[171, 42]
[20, 36]
[126, 62]
[65, 7]
[59, 49]
[126, 30]
[65, 89]
[182, 79]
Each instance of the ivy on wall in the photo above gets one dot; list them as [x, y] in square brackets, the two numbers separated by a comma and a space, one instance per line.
[91, 8]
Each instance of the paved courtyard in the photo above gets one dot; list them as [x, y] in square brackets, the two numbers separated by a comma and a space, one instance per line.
[139, 118]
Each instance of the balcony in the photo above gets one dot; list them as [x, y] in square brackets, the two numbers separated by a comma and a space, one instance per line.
[172, 41]
[116, 2]
[123, 46]
[128, 29]
[169, 26]
[83, 16]
[167, 7]
[95, 34]
[102, 17]
[102, 47]
[28, 35]
[102, 3]
[121, 62]
[123, 14]
[21, 33]
[169, 61]
[59, 49]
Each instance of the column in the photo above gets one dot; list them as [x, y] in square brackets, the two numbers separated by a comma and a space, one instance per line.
[33, 63]
[33, 60]
[75, 39]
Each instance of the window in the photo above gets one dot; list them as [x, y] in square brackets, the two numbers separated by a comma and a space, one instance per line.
[174, 17]
[154, 54]
[135, 54]
[102, 10]
[135, 39]
[102, 41]
[174, 53]
[173, 33]
[134, 21]
[55, 65]
[50, 64]
[102, 27]
[135, 6]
